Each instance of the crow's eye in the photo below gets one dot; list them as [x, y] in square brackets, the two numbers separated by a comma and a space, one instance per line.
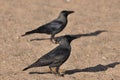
[57, 40]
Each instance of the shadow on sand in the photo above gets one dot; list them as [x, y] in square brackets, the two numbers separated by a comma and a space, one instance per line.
[77, 35]
[96, 68]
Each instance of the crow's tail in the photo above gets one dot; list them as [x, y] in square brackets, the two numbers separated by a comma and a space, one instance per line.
[30, 32]
[36, 64]
[27, 68]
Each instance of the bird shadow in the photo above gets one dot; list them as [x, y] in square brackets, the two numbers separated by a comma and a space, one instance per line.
[95, 33]
[40, 73]
[96, 68]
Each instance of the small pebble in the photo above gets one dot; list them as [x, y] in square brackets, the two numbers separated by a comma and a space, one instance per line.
[104, 58]
[67, 0]
[3, 61]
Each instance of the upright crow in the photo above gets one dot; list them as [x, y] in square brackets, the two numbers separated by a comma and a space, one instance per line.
[54, 26]
[56, 57]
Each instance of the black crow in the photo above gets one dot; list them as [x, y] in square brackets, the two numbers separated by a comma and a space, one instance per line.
[56, 57]
[53, 27]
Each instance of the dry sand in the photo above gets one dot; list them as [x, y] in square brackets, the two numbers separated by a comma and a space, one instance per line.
[92, 58]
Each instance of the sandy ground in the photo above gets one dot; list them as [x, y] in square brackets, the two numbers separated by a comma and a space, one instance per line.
[92, 58]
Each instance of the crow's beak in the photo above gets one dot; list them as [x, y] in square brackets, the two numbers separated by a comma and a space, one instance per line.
[75, 37]
[69, 12]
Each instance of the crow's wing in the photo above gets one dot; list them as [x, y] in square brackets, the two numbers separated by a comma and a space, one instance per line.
[56, 54]
[61, 57]
[50, 27]
[55, 57]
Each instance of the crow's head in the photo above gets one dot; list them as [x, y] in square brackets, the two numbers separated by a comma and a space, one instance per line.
[66, 13]
[66, 38]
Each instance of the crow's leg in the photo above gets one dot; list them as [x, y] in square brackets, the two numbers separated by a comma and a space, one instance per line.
[52, 71]
[52, 38]
[58, 73]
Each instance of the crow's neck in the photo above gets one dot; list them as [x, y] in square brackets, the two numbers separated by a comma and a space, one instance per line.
[65, 44]
[62, 18]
